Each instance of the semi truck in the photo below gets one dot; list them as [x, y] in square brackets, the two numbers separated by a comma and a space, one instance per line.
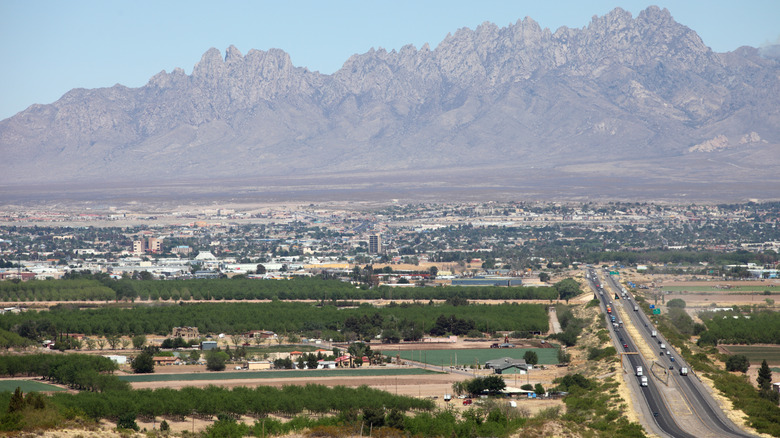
[643, 381]
[654, 333]
[639, 371]
[684, 371]
[636, 308]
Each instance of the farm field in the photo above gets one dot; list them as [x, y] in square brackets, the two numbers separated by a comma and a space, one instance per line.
[756, 353]
[547, 356]
[243, 375]
[27, 386]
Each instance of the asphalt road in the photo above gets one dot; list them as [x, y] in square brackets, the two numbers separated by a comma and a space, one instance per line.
[713, 422]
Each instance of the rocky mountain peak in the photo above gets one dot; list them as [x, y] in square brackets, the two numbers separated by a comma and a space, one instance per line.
[627, 88]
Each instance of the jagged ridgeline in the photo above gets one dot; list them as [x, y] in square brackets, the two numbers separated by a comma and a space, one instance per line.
[623, 87]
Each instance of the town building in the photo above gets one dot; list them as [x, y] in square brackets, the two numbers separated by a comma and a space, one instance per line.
[185, 332]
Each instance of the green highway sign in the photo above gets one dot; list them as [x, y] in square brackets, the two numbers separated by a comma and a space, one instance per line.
[656, 311]
[614, 273]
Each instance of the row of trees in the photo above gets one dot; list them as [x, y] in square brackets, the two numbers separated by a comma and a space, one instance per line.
[761, 327]
[79, 371]
[280, 317]
[107, 289]
[259, 402]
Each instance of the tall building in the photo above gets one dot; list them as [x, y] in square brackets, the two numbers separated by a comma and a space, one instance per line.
[374, 244]
[152, 244]
[155, 244]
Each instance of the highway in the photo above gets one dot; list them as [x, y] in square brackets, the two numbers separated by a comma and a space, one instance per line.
[712, 422]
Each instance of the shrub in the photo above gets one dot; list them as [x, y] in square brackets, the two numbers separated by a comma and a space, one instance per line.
[127, 421]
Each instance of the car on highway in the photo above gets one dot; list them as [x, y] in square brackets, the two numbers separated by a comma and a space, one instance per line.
[625, 345]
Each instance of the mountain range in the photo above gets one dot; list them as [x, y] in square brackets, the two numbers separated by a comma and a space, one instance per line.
[639, 106]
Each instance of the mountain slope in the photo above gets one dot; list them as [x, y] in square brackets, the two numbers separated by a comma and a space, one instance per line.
[630, 89]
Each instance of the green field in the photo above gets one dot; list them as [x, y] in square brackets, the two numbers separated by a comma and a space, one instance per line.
[27, 386]
[736, 289]
[547, 356]
[357, 372]
[756, 354]
[284, 348]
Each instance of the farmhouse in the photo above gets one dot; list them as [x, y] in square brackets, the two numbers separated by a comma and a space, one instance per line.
[507, 365]
[165, 360]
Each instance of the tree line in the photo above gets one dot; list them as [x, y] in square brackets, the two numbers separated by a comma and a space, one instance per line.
[755, 328]
[100, 287]
[213, 400]
[318, 321]
[78, 371]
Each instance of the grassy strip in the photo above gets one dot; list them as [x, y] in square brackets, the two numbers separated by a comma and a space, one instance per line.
[756, 354]
[28, 386]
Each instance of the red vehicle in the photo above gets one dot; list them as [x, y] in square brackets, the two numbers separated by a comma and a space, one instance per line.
[467, 402]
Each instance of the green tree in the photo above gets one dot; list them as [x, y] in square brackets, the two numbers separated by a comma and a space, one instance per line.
[311, 361]
[113, 341]
[143, 363]
[194, 355]
[539, 389]
[677, 302]
[567, 289]
[544, 277]
[127, 421]
[531, 357]
[260, 269]
[374, 417]
[737, 362]
[17, 400]
[139, 341]
[391, 336]
[216, 360]
[764, 377]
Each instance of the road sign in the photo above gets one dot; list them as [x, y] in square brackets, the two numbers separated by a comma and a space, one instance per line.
[614, 273]
[656, 311]
[652, 306]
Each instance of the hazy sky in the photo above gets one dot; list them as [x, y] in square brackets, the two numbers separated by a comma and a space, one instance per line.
[50, 47]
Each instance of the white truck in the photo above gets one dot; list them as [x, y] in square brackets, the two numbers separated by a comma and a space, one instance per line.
[654, 333]
[639, 371]
[643, 381]
[663, 346]
[636, 308]
[684, 371]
